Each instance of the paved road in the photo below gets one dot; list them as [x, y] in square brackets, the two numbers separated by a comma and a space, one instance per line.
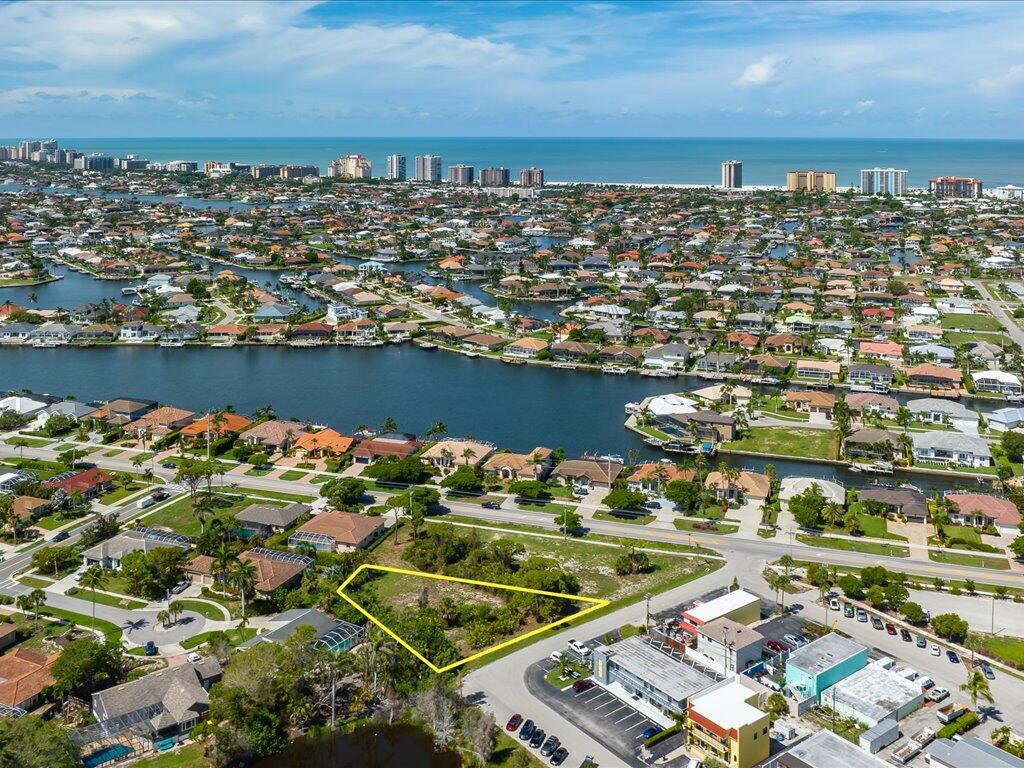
[996, 308]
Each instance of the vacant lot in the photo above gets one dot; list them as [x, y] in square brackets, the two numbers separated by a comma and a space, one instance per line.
[179, 516]
[787, 441]
[970, 322]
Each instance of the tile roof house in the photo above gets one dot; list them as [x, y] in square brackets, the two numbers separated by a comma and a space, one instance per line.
[446, 455]
[178, 698]
[751, 485]
[325, 442]
[89, 483]
[24, 674]
[587, 472]
[535, 465]
[274, 570]
[930, 375]
[909, 502]
[397, 444]
[160, 421]
[226, 424]
[274, 434]
[983, 509]
[338, 531]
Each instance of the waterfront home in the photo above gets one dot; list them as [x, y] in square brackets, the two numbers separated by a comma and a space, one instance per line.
[273, 435]
[869, 443]
[951, 448]
[535, 465]
[934, 376]
[221, 425]
[99, 332]
[1004, 419]
[275, 569]
[396, 444]
[321, 444]
[810, 401]
[139, 332]
[886, 351]
[937, 410]
[674, 355]
[527, 347]
[996, 381]
[864, 404]
[122, 411]
[337, 532]
[90, 483]
[23, 406]
[447, 455]
[271, 311]
[159, 422]
[818, 370]
[747, 485]
[587, 473]
[707, 425]
[178, 697]
[16, 333]
[225, 332]
[652, 477]
[982, 509]
[869, 374]
[573, 351]
[614, 353]
[110, 553]
[312, 332]
[54, 333]
[484, 341]
[355, 330]
[935, 352]
[908, 502]
[24, 674]
[784, 343]
[717, 362]
[264, 519]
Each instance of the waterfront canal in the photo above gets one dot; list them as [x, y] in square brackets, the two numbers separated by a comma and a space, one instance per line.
[517, 407]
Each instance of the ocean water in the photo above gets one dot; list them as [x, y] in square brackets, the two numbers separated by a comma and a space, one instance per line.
[648, 161]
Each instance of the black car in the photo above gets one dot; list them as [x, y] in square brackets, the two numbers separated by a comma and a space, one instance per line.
[61, 535]
[169, 465]
[558, 756]
[538, 738]
[906, 636]
[549, 746]
[491, 505]
[527, 730]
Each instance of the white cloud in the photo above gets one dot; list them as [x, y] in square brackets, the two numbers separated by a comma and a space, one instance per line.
[865, 105]
[761, 72]
[28, 95]
[1011, 78]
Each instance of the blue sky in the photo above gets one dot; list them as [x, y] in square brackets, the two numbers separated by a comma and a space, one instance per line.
[731, 68]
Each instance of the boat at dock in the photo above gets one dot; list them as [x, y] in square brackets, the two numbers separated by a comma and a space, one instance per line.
[658, 373]
[615, 370]
[873, 468]
[565, 366]
[428, 345]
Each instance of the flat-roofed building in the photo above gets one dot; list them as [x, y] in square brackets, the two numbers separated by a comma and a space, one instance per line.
[969, 752]
[725, 723]
[872, 694]
[823, 663]
[955, 186]
[824, 750]
[729, 646]
[738, 605]
[811, 181]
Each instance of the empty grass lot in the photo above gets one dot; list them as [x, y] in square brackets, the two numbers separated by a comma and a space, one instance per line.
[293, 474]
[854, 545]
[786, 441]
[970, 323]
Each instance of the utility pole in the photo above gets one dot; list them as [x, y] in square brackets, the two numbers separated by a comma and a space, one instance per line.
[647, 621]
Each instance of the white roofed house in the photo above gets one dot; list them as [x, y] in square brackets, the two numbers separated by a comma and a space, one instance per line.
[937, 447]
[996, 381]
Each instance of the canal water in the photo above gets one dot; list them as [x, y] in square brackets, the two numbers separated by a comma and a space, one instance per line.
[516, 407]
[371, 746]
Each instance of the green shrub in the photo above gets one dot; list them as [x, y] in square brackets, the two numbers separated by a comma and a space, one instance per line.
[661, 736]
[962, 724]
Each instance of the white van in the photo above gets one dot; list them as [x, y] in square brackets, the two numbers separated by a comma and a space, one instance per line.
[145, 502]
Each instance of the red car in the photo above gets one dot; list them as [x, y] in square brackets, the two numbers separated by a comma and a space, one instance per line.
[583, 685]
[775, 646]
[890, 628]
[514, 722]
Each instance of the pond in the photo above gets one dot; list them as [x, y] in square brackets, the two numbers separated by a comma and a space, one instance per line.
[371, 746]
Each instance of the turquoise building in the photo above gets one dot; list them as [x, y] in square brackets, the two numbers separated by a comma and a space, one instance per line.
[822, 664]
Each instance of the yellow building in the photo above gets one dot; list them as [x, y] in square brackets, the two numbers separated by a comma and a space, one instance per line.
[811, 181]
[724, 723]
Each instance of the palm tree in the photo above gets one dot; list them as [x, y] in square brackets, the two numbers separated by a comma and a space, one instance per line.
[833, 513]
[202, 508]
[175, 609]
[437, 429]
[222, 563]
[94, 578]
[243, 577]
[164, 617]
[977, 687]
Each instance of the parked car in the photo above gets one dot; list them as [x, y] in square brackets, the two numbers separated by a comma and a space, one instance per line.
[654, 730]
[180, 587]
[538, 738]
[583, 685]
[862, 615]
[514, 722]
[558, 756]
[579, 649]
[925, 683]
[833, 603]
[491, 505]
[953, 658]
[905, 636]
[797, 641]
[986, 670]
[936, 694]
[549, 746]
[193, 657]
[935, 650]
[877, 623]
[168, 465]
[527, 730]
[145, 502]
[921, 642]
[848, 610]
[652, 504]
[556, 656]
[150, 648]
[61, 535]
[775, 647]
[890, 628]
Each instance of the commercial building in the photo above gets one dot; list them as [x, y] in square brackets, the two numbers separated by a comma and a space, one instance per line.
[732, 174]
[633, 667]
[725, 723]
[811, 181]
[298, 171]
[955, 186]
[531, 177]
[969, 752]
[873, 694]
[460, 174]
[396, 167]
[823, 663]
[727, 646]
[738, 605]
[350, 167]
[428, 168]
[824, 750]
[883, 181]
[494, 177]
[131, 163]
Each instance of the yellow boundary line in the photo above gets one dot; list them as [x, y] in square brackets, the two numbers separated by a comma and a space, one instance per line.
[597, 604]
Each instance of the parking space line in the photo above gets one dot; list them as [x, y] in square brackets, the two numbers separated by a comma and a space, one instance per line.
[625, 718]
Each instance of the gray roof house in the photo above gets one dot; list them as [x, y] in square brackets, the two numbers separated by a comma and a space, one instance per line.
[110, 553]
[170, 701]
[262, 518]
[951, 448]
[330, 633]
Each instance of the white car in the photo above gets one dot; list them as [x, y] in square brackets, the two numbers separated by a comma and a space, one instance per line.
[935, 650]
[193, 657]
[556, 656]
[78, 576]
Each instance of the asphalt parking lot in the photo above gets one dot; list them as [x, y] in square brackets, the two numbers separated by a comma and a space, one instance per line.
[600, 715]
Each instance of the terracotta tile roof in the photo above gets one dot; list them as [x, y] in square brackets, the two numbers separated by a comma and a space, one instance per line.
[24, 674]
[344, 527]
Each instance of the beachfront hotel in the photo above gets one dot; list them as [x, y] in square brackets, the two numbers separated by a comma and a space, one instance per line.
[531, 177]
[955, 186]
[811, 181]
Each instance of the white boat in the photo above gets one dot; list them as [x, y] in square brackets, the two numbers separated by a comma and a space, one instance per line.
[470, 353]
[632, 408]
[228, 343]
[615, 370]
[428, 345]
[172, 344]
[367, 343]
[657, 373]
[129, 291]
[565, 366]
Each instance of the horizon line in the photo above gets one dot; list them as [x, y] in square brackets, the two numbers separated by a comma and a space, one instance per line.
[532, 138]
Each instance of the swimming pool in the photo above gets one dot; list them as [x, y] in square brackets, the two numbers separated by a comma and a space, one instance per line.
[106, 755]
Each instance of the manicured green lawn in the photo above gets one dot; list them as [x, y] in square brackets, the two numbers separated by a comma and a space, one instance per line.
[114, 452]
[965, 532]
[203, 609]
[267, 494]
[976, 561]
[190, 756]
[109, 629]
[35, 581]
[854, 545]
[970, 322]
[259, 471]
[637, 519]
[49, 522]
[119, 493]
[545, 506]
[786, 441]
[871, 526]
[321, 479]
[236, 636]
[554, 676]
[179, 516]
[28, 442]
[963, 337]
[292, 474]
[1007, 649]
[86, 596]
[690, 525]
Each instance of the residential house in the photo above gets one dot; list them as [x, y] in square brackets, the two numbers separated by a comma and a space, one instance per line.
[748, 485]
[1002, 382]
[810, 401]
[937, 447]
[160, 422]
[527, 347]
[536, 465]
[865, 404]
[587, 472]
[572, 351]
[328, 632]
[907, 502]
[982, 509]
[24, 674]
[274, 569]
[934, 376]
[139, 332]
[274, 435]
[122, 411]
[936, 410]
[875, 375]
[869, 443]
[219, 425]
[447, 455]
[337, 532]
[396, 444]
[717, 362]
[90, 483]
[818, 370]
[652, 477]
[886, 351]
[110, 553]
[322, 443]
[265, 519]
